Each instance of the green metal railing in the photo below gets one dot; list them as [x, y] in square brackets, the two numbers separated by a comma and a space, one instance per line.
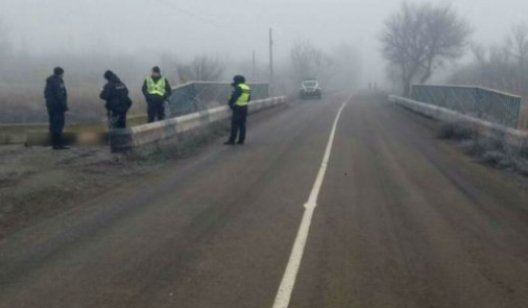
[490, 105]
[196, 96]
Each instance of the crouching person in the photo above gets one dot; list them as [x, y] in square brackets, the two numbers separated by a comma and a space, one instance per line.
[115, 94]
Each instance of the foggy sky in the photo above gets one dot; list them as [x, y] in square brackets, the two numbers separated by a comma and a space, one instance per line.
[228, 28]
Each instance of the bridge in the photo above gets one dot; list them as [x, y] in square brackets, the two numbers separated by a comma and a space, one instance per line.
[352, 201]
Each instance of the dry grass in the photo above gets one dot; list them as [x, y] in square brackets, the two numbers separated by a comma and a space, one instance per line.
[36, 183]
[26, 104]
[494, 153]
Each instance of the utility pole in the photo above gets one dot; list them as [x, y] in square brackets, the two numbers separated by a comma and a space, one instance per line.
[254, 66]
[271, 55]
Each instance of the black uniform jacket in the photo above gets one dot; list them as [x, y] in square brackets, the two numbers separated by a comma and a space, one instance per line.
[115, 94]
[56, 94]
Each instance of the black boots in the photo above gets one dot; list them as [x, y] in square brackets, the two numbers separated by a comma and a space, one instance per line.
[57, 143]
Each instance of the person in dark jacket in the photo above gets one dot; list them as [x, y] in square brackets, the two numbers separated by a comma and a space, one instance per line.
[156, 90]
[238, 103]
[115, 94]
[56, 97]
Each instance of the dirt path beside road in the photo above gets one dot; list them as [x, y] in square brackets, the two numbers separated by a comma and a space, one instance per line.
[38, 182]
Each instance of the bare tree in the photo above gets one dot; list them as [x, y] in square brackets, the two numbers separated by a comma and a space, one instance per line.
[307, 60]
[202, 68]
[420, 38]
[492, 66]
[518, 42]
[501, 66]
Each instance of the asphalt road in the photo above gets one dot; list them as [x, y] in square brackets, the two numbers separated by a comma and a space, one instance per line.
[402, 220]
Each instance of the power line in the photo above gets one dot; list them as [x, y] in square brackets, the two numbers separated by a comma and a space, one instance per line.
[189, 13]
[202, 19]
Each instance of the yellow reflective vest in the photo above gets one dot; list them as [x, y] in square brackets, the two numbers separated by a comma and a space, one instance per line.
[243, 100]
[156, 88]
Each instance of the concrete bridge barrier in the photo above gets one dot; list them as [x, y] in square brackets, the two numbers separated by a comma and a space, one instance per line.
[513, 138]
[152, 135]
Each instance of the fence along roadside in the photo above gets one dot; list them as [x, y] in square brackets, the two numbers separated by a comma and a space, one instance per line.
[482, 103]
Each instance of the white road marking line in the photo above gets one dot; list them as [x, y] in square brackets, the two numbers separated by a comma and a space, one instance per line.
[282, 300]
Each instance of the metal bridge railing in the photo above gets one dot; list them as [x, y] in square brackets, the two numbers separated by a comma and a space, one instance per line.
[490, 105]
[196, 96]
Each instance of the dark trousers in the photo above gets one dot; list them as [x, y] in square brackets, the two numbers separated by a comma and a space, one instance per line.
[56, 126]
[156, 110]
[238, 124]
[116, 120]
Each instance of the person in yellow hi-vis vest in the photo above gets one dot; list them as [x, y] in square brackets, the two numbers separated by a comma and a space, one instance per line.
[238, 102]
[157, 90]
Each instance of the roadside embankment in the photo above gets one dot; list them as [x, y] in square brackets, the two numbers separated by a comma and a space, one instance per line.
[494, 144]
[36, 182]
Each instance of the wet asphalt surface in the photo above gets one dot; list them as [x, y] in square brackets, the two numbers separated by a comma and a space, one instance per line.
[403, 220]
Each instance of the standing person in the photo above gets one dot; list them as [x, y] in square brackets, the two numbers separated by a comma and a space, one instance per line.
[56, 97]
[115, 94]
[157, 90]
[239, 105]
